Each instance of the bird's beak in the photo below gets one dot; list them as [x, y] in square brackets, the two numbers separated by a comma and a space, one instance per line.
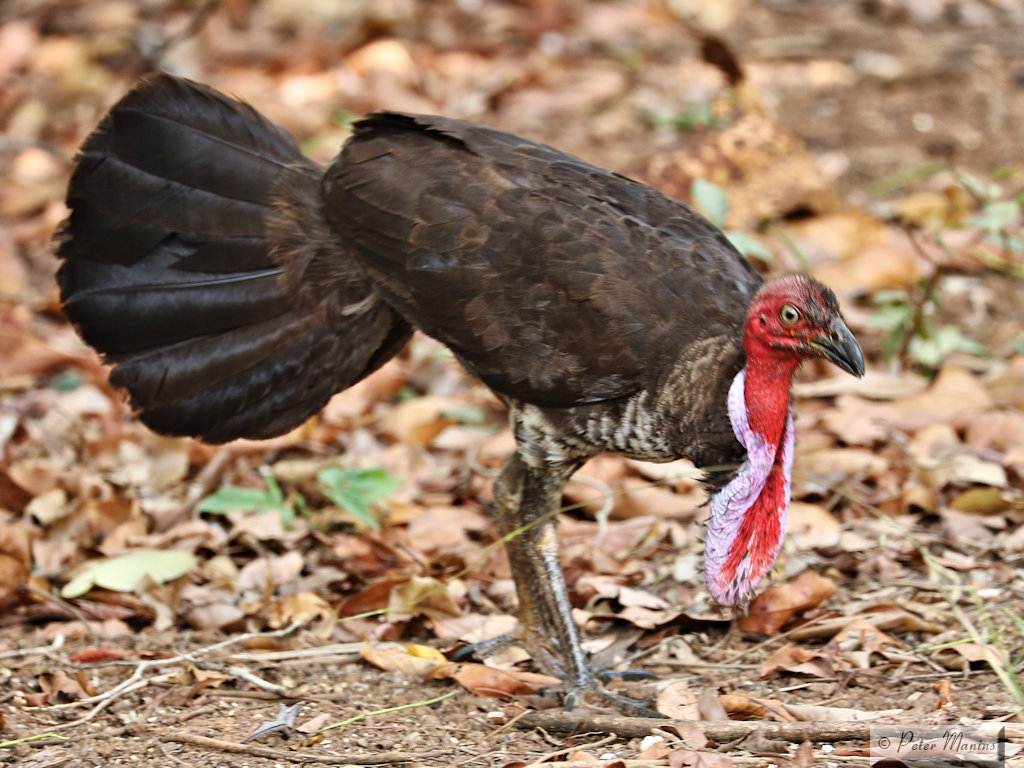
[840, 347]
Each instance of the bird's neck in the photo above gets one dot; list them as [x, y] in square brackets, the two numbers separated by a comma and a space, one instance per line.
[748, 516]
[766, 395]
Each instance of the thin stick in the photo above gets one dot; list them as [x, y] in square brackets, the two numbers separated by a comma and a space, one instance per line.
[296, 757]
[720, 732]
[593, 745]
[343, 723]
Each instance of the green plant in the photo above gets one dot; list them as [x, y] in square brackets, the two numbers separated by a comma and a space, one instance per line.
[1001, 217]
[236, 498]
[696, 117]
[911, 328]
[711, 200]
[357, 490]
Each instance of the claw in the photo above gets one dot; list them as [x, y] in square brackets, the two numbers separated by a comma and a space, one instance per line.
[606, 675]
[625, 704]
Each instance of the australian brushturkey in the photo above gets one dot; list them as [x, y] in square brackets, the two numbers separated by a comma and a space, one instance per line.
[236, 286]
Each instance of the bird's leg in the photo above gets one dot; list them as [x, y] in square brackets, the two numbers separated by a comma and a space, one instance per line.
[526, 501]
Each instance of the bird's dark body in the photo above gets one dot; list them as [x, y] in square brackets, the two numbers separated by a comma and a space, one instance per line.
[606, 314]
[236, 286]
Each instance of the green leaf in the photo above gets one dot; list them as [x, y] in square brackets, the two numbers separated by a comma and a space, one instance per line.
[933, 350]
[891, 316]
[999, 214]
[123, 574]
[234, 498]
[711, 200]
[750, 246]
[354, 490]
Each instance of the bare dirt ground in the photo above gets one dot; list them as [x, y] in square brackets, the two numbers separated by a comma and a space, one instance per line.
[852, 121]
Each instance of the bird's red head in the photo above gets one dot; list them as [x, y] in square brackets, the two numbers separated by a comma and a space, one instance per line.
[796, 317]
[790, 319]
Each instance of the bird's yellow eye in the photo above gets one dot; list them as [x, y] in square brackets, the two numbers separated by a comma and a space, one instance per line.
[789, 314]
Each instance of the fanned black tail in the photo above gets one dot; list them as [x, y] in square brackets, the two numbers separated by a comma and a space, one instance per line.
[189, 259]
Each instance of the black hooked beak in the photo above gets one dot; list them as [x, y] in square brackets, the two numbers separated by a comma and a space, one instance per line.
[840, 347]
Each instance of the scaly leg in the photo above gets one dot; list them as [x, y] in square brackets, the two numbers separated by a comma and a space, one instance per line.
[526, 497]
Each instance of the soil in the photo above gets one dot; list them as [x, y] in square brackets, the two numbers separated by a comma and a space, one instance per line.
[138, 728]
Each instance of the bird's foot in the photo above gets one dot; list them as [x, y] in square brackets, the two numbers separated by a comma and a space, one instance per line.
[590, 687]
[546, 659]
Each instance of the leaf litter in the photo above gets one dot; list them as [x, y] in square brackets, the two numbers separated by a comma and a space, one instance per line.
[127, 561]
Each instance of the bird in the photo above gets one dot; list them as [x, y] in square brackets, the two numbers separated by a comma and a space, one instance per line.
[235, 285]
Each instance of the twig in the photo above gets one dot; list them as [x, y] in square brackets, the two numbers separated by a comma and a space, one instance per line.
[575, 748]
[73, 610]
[297, 757]
[160, 745]
[136, 681]
[56, 645]
[37, 737]
[638, 727]
[350, 720]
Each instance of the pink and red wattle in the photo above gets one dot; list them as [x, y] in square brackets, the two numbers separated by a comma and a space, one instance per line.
[748, 516]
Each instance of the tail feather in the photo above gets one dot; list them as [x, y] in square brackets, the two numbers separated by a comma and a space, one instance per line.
[193, 221]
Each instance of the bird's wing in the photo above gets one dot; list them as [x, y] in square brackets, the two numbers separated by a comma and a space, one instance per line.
[554, 281]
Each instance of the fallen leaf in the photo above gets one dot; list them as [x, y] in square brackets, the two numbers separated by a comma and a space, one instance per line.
[742, 707]
[484, 680]
[678, 702]
[797, 660]
[393, 657]
[777, 605]
[271, 570]
[421, 594]
[804, 757]
[860, 634]
[124, 573]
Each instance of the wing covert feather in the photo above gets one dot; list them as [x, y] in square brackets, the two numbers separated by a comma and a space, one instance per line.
[555, 282]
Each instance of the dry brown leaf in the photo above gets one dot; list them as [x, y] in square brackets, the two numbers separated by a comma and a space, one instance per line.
[777, 605]
[271, 571]
[13, 573]
[765, 168]
[686, 758]
[393, 657]
[13, 496]
[305, 607]
[954, 393]
[654, 751]
[802, 661]
[804, 757]
[491, 681]
[640, 498]
[419, 420]
[962, 655]
[678, 702]
[981, 501]
[445, 527]
[860, 634]
[874, 385]
[421, 594]
[891, 266]
[741, 707]
[842, 462]
[811, 525]
[711, 709]
[49, 507]
[374, 597]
